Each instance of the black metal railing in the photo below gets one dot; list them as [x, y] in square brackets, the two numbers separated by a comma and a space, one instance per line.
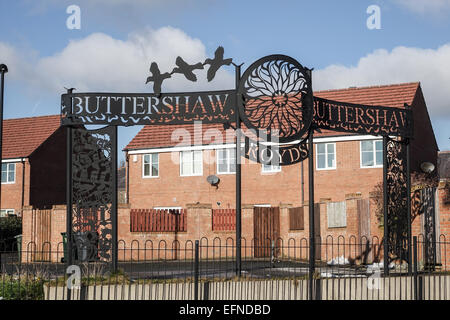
[345, 268]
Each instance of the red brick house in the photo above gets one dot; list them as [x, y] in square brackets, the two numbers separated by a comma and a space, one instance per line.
[33, 163]
[166, 170]
[165, 173]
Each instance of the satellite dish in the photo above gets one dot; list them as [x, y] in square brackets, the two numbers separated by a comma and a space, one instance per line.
[427, 167]
[213, 180]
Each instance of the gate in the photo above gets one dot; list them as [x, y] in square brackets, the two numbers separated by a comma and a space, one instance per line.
[41, 234]
[266, 224]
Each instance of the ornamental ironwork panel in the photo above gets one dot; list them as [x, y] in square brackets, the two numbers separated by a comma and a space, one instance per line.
[93, 193]
[278, 155]
[362, 119]
[427, 196]
[275, 95]
[397, 200]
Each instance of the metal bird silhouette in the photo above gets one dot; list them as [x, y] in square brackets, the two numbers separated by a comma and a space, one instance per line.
[186, 69]
[216, 63]
[157, 78]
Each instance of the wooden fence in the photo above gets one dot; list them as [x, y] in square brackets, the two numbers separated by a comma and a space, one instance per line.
[223, 219]
[40, 234]
[155, 220]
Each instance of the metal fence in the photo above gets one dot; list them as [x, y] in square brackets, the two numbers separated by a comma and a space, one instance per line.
[205, 269]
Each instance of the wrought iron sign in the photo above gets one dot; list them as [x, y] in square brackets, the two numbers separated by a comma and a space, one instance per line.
[362, 119]
[125, 109]
[274, 98]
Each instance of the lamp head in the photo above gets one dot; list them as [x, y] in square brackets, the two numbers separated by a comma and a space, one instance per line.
[427, 167]
[3, 68]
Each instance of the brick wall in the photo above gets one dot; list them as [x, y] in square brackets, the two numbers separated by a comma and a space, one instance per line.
[170, 189]
[335, 242]
[48, 171]
[11, 195]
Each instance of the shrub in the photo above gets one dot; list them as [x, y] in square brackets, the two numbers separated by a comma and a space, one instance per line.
[23, 289]
[9, 227]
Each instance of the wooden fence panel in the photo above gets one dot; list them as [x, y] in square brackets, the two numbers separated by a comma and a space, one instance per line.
[296, 218]
[156, 220]
[223, 219]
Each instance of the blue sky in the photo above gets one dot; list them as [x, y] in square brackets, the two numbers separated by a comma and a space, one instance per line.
[119, 38]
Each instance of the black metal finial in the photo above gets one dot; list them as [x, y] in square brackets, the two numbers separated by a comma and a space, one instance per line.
[3, 68]
[69, 90]
[216, 63]
[186, 69]
[157, 78]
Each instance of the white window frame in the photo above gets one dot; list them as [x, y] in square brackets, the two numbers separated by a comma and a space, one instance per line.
[273, 169]
[7, 171]
[326, 156]
[167, 208]
[228, 152]
[192, 173]
[6, 214]
[374, 152]
[150, 163]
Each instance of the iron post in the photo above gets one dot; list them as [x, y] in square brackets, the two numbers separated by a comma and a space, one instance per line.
[238, 175]
[312, 251]
[408, 204]
[385, 209]
[196, 269]
[3, 70]
[114, 199]
[69, 205]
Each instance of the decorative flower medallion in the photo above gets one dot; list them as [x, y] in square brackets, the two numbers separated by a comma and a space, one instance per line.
[276, 96]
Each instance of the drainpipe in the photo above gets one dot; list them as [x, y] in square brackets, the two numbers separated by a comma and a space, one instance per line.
[23, 186]
[127, 194]
[302, 182]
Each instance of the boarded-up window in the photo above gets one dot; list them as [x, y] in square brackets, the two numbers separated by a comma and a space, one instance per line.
[296, 219]
[157, 220]
[337, 214]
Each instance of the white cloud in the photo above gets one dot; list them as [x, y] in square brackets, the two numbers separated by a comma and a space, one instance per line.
[99, 62]
[402, 64]
[425, 6]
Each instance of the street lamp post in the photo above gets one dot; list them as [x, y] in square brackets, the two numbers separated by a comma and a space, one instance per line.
[3, 70]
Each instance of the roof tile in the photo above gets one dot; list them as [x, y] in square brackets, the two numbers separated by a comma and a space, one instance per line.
[24, 135]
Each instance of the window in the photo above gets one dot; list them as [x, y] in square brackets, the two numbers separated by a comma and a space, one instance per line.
[226, 161]
[191, 163]
[371, 153]
[8, 172]
[6, 213]
[337, 214]
[150, 165]
[267, 168]
[325, 156]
